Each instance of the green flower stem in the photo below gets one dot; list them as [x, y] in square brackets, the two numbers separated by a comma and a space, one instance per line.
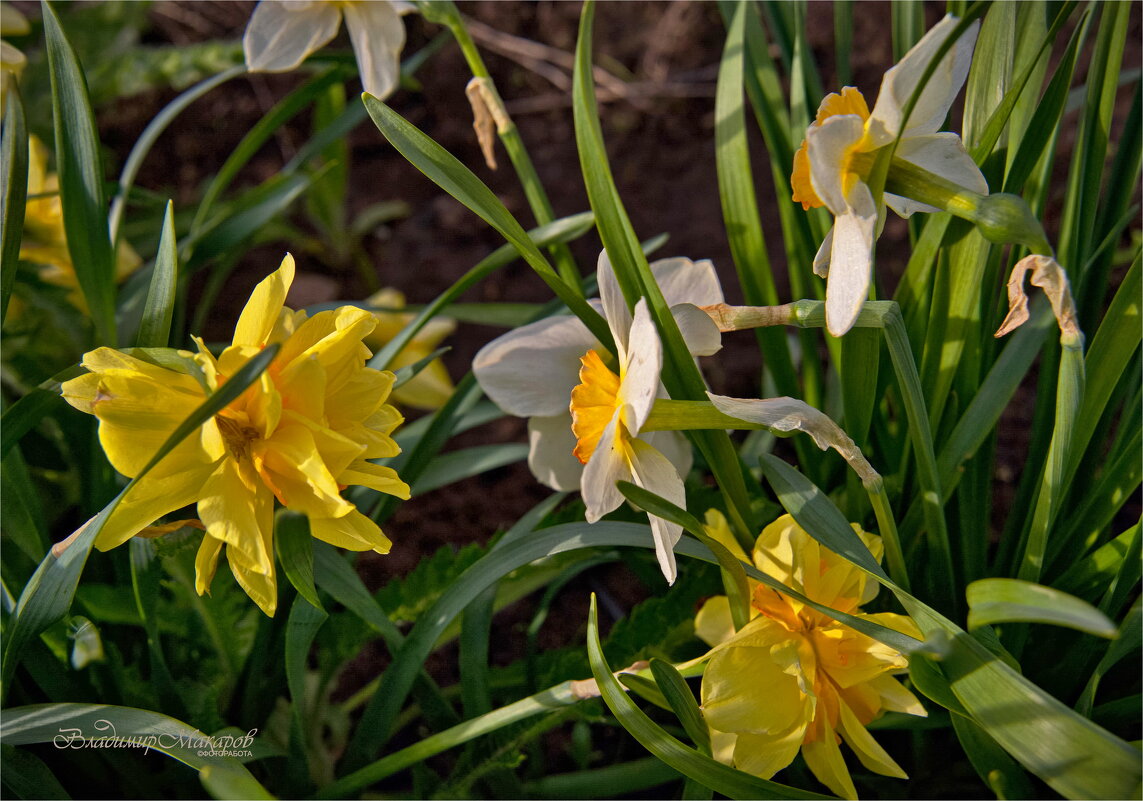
[1001, 217]
[799, 314]
[893, 553]
[445, 13]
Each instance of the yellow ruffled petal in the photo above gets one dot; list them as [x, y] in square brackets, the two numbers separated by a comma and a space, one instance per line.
[239, 515]
[824, 759]
[206, 563]
[374, 476]
[292, 467]
[713, 623]
[354, 532]
[167, 488]
[262, 311]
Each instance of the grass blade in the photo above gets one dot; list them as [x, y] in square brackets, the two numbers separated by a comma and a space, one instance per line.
[14, 180]
[155, 327]
[443, 169]
[81, 184]
[1001, 600]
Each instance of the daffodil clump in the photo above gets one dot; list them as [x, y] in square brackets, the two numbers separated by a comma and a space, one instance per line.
[793, 679]
[302, 433]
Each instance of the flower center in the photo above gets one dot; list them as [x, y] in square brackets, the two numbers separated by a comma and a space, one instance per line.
[855, 165]
[594, 403]
[237, 436]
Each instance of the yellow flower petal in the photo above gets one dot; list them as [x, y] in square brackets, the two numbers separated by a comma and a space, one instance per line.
[374, 476]
[262, 311]
[824, 759]
[167, 488]
[206, 563]
[354, 532]
[239, 515]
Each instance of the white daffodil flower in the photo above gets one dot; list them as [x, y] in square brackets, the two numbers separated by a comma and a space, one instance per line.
[532, 371]
[840, 148]
[282, 33]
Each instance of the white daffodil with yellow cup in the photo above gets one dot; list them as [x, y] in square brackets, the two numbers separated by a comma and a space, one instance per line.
[842, 145]
[584, 418]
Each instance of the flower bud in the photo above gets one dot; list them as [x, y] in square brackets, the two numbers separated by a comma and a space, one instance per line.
[1004, 218]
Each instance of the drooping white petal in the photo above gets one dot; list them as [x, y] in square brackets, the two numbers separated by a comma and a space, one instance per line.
[615, 309]
[531, 370]
[685, 281]
[607, 465]
[377, 34]
[674, 445]
[699, 331]
[942, 154]
[639, 375]
[550, 457]
[851, 261]
[281, 33]
[829, 147]
[933, 104]
[653, 472]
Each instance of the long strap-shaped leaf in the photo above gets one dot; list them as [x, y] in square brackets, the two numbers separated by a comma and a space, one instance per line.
[456, 179]
[70, 726]
[48, 594]
[14, 185]
[81, 185]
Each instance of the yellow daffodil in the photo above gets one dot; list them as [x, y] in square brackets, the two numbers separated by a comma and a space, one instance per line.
[282, 33]
[535, 370]
[12, 61]
[300, 434]
[841, 146]
[432, 386]
[794, 679]
[45, 241]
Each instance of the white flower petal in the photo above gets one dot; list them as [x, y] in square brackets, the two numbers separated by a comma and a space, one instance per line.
[685, 281]
[653, 472]
[851, 262]
[607, 465]
[943, 154]
[675, 446]
[615, 309]
[281, 33]
[699, 331]
[377, 34]
[821, 259]
[640, 373]
[933, 105]
[550, 457]
[532, 369]
[829, 146]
